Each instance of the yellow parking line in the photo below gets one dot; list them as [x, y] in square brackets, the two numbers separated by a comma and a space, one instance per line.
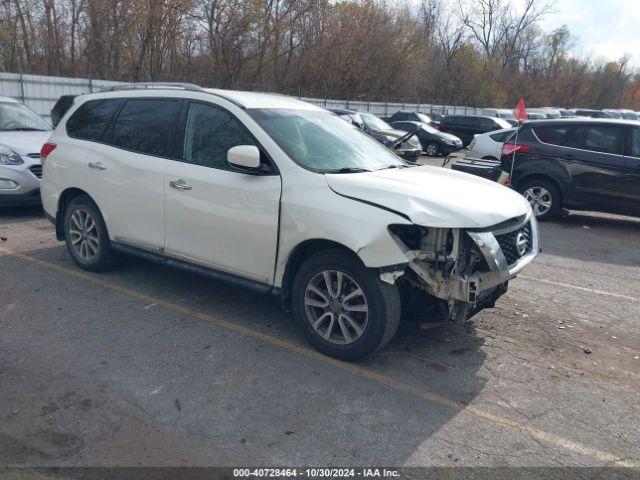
[390, 382]
[578, 287]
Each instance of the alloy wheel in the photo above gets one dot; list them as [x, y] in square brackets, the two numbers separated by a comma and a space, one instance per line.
[540, 199]
[432, 150]
[83, 234]
[336, 307]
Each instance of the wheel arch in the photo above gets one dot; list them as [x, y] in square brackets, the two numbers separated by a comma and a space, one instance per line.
[541, 176]
[304, 250]
[65, 198]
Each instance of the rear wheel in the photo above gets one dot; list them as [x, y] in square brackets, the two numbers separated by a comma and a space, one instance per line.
[543, 196]
[345, 310]
[432, 149]
[86, 235]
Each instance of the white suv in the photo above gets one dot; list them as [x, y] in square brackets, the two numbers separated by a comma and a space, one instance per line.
[284, 197]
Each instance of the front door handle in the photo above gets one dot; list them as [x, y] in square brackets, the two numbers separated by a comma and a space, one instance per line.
[179, 184]
[97, 166]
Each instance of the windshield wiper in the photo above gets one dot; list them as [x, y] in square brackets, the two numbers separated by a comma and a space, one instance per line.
[23, 129]
[348, 170]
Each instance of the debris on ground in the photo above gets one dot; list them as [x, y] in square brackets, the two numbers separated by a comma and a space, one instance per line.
[586, 350]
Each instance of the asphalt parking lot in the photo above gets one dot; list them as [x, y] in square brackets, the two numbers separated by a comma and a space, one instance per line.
[145, 365]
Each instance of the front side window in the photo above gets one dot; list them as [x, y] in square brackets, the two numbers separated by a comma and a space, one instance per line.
[597, 138]
[89, 121]
[210, 132]
[146, 126]
[15, 117]
[321, 142]
[553, 135]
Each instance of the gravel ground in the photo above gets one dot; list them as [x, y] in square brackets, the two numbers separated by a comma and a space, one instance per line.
[145, 365]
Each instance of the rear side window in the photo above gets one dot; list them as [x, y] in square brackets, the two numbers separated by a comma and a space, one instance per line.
[146, 126]
[634, 142]
[90, 120]
[470, 121]
[210, 132]
[553, 135]
[451, 120]
[597, 138]
[501, 137]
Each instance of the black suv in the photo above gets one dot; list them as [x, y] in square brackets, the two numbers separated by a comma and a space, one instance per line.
[466, 126]
[582, 164]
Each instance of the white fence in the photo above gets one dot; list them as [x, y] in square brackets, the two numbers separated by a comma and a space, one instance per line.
[41, 93]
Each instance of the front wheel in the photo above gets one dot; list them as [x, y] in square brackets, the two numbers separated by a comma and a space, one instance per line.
[345, 310]
[432, 149]
[543, 196]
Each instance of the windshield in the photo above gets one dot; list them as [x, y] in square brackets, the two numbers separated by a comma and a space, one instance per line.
[16, 116]
[423, 118]
[323, 142]
[428, 128]
[374, 123]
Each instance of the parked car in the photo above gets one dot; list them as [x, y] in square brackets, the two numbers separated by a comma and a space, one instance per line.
[22, 134]
[60, 108]
[351, 116]
[583, 112]
[275, 194]
[434, 142]
[436, 117]
[407, 116]
[536, 116]
[466, 126]
[551, 112]
[388, 136]
[502, 113]
[488, 146]
[567, 113]
[582, 164]
[622, 113]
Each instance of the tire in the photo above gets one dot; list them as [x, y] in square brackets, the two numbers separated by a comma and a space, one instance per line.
[432, 149]
[83, 223]
[377, 325]
[544, 197]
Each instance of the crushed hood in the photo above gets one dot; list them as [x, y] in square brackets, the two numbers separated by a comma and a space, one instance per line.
[433, 196]
[24, 143]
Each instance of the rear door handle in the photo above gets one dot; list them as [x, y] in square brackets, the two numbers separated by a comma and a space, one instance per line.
[97, 166]
[179, 184]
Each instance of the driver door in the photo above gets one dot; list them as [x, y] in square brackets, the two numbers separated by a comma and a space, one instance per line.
[216, 215]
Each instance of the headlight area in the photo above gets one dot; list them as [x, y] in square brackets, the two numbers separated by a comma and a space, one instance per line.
[9, 157]
[445, 274]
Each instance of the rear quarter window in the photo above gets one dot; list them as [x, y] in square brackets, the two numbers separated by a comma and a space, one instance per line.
[553, 135]
[90, 120]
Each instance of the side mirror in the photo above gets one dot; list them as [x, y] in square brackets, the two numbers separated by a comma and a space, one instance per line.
[244, 156]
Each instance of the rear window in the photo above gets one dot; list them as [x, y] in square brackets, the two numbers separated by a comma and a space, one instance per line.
[90, 120]
[553, 135]
[597, 138]
[470, 121]
[145, 126]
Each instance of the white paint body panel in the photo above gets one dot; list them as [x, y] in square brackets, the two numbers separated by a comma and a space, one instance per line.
[434, 196]
[228, 220]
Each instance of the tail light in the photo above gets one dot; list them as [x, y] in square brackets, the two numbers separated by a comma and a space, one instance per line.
[437, 126]
[47, 148]
[511, 148]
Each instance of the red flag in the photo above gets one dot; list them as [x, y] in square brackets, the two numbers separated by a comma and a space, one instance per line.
[520, 111]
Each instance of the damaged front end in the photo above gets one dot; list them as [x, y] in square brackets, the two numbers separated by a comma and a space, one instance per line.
[454, 273]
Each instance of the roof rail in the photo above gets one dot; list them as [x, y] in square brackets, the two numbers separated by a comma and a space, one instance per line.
[152, 85]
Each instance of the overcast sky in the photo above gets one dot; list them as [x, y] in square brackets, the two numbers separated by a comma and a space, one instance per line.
[605, 28]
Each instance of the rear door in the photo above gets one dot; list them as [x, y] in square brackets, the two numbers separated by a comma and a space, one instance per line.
[596, 164]
[216, 215]
[631, 185]
[125, 173]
